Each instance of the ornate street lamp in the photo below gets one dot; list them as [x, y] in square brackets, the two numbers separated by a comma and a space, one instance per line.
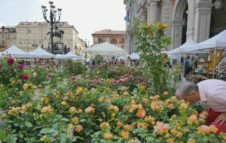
[54, 18]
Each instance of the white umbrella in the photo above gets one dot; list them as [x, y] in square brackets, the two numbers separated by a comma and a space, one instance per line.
[134, 56]
[106, 49]
[16, 52]
[41, 53]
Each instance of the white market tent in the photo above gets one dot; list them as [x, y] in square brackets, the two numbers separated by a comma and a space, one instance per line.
[134, 56]
[178, 51]
[218, 41]
[60, 56]
[16, 52]
[71, 55]
[106, 49]
[41, 53]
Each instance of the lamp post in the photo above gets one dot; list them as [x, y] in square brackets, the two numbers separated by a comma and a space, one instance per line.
[54, 18]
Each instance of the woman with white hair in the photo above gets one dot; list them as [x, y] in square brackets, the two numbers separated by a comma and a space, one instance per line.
[212, 93]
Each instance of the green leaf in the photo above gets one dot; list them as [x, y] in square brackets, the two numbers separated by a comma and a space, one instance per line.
[63, 138]
[28, 124]
[47, 130]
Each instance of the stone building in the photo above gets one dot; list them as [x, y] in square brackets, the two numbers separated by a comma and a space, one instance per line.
[107, 35]
[30, 35]
[187, 19]
[7, 37]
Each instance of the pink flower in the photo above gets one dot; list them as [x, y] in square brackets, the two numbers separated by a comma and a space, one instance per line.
[10, 60]
[161, 128]
[48, 78]
[21, 66]
[24, 76]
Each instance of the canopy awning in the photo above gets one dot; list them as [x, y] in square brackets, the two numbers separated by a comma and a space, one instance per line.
[71, 55]
[182, 48]
[41, 53]
[16, 52]
[218, 41]
[134, 56]
[106, 49]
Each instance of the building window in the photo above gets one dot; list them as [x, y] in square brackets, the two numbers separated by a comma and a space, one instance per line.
[99, 40]
[122, 41]
[114, 41]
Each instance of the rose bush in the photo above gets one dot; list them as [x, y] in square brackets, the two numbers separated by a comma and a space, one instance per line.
[92, 108]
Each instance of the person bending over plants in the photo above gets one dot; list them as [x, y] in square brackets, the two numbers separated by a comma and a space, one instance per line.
[212, 93]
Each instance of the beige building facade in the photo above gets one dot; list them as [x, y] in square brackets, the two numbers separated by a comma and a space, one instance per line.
[7, 37]
[30, 35]
[187, 19]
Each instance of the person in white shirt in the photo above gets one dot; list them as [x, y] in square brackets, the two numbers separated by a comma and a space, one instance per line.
[212, 93]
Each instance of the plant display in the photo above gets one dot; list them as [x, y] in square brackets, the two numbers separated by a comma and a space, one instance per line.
[150, 41]
[109, 104]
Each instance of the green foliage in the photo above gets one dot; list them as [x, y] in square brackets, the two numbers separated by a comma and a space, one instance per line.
[150, 41]
[73, 68]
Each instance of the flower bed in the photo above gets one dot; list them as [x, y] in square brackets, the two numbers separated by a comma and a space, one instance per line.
[105, 105]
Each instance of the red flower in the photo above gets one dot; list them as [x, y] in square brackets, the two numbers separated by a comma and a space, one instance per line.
[24, 76]
[21, 66]
[10, 60]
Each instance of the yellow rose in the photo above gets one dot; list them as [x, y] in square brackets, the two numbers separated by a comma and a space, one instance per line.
[124, 134]
[184, 105]
[75, 120]
[47, 109]
[161, 26]
[89, 110]
[171, 106]
[125, 93]
[113, 108]
[72, 110]
[116, 96]
[101, 99]
[170, 140]
[104, 125]
[108, 136]
[64, 103]
[213, 129]
[179, 134]
[150, 120]
[78, 128]
[127, 127]
[79, 90]
[26, 86]
[69, 134]
[190, 140]
[165, 94]
[192, 119]
[134, 140]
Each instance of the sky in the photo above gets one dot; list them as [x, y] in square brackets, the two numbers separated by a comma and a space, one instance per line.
[87, 16]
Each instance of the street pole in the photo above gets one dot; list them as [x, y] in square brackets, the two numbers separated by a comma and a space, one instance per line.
[51, 34]
[54, 14]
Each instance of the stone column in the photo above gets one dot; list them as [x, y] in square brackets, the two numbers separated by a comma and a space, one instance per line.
[177, 33]
[191, 20]
[153, 11]
[202, 19]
